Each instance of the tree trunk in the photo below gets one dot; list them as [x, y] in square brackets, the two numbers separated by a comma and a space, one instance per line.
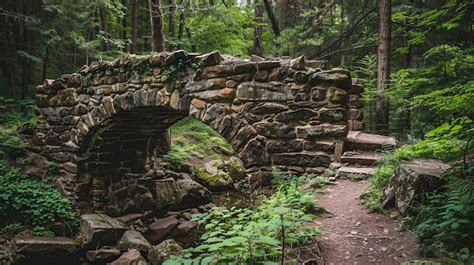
[172, 21]
[45, 63]
[134, 26]
[258, 30]
[283, 13]
[190, 37]
[156, 20]
[105, 28]
[123, 33]
[272, 18]
[383, 69]
[182, 18]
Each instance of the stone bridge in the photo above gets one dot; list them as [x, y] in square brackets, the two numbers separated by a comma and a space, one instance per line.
[107, 124]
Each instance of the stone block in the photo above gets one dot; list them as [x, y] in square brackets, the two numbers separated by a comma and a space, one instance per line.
[100, 229]
[48, 246]
[303, 159]
[134, 240]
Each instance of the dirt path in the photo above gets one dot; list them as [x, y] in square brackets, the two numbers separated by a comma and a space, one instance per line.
[351, 235]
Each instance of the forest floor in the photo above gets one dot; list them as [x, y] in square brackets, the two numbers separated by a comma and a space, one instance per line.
[352, 235]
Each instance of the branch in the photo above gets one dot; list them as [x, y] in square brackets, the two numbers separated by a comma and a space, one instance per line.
[359, 22]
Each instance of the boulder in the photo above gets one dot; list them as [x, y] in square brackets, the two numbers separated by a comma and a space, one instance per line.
[184, 228]
[105, 254]
[411, 182]
[101, 229]
[213, 176]
[159, 229]
[47, 246]
[133, 240]
[160, 253]
[180, 194]
[131, 257]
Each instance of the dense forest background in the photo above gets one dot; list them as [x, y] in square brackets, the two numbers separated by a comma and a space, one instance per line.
[415, 59]
[429, 60]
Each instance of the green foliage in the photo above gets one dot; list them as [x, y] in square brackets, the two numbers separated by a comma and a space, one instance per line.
[27, 203]
[225, 29]
[32, 203]
[444, 224]
[190, 139]
[448, 142]
[237, 235]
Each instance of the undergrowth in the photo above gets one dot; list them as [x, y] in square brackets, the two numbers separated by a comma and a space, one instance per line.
[27, 203]
[264, 234]
[444, 224]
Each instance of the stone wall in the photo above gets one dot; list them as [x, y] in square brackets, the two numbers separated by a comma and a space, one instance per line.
[102, 124]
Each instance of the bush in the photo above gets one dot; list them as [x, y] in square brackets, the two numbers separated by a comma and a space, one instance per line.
[259, 235]
[445, 224]
[30, 202]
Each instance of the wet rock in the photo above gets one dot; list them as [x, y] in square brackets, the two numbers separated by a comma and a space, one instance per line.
[159, 229]
[134, 240]
[131, 257]
[49, 246]
[105, 254]
[161, 252]
[101, 229]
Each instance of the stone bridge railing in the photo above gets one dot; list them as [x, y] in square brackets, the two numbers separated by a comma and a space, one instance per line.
[102, 124]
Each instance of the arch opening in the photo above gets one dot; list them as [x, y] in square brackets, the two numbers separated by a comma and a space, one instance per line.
[121, 160]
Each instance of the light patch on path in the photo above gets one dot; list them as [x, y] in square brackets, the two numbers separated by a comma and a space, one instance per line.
[352, 235]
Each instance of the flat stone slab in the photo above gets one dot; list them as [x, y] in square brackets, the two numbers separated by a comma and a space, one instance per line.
[356, 140]
[362, 158]
[348, 171]
[103, 255]
[45, 245]
[101, 229]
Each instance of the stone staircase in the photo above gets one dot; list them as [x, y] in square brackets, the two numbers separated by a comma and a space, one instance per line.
[360, 154]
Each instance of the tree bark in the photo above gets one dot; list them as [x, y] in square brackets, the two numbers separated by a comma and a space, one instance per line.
[283, 13]
[45, 63]
[105, 28]
[383, 68]
[156, 20]
[258, 30]
[123, 33]
[134, 26]
[272, 18]
[172, 21]
[182, 18]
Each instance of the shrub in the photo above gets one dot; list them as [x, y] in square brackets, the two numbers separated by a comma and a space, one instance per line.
[445, 224]
[30, 202]
[245, 236]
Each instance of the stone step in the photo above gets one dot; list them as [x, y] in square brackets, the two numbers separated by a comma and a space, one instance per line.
[369, 142]
[352, 172]
[361, 158]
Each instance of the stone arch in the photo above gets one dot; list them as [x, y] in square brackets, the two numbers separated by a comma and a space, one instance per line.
[276, 114]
